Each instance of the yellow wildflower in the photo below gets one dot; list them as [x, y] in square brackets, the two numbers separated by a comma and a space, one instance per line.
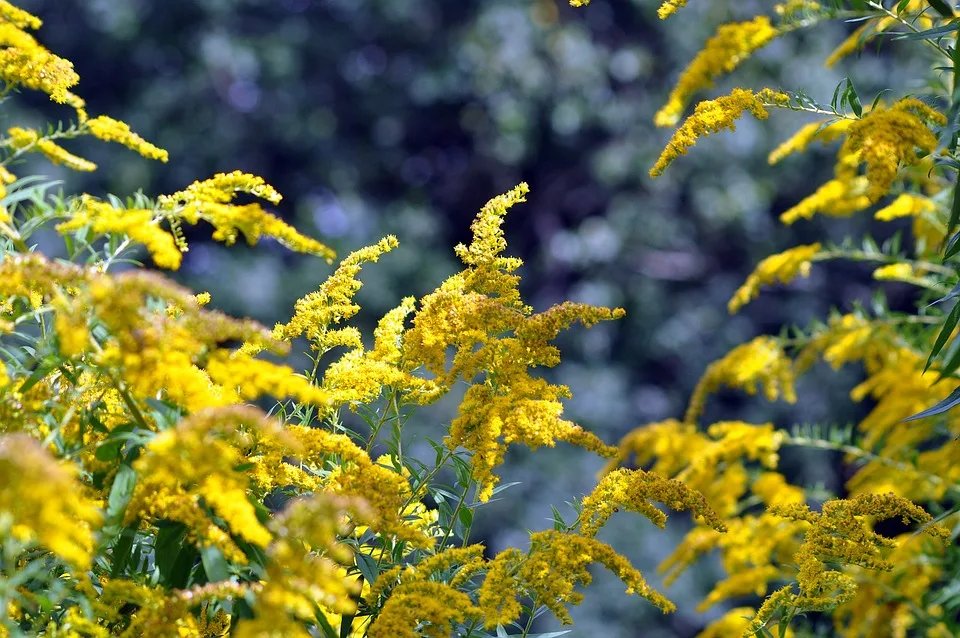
[210, 200]
[422, 608]
[556, 563]
[782, 267]
[140, 225]
[18, 17]
[732, 44]
[332, 303]
[670, 442]
[759, 363]
[302, 575]
[885, 138]
[773, 489]
[633, 490]
[825, 131]
[27, 139]
[669, 7]
[928, 230]
[111, 130]
[713, 116]
[839, 197]
[23, 61]
[896, 272]
[41, 501]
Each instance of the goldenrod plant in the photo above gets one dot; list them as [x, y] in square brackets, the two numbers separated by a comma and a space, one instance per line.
[163, 472]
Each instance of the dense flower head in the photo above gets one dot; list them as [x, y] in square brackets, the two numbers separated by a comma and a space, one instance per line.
[751, 366]
[731, 45]
[42, 502]
[928, 231]
[713, 116]
[25, 62]
[634, 490]
[823, 131]
[782, 268]
[23, 140]
[883, 139]
[110, 130]
[422, 608]
[211, 200]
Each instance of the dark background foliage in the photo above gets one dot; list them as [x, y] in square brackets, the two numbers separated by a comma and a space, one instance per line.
[405, 116]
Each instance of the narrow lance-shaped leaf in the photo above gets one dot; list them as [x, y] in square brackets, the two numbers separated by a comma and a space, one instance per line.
[944, 335]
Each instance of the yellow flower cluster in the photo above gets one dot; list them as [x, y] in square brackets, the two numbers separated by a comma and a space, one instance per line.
[759, 363]
[43, 503]
[22, 139]
[111, 130]
[928, 230]
[732, 44]
[884, 138]
[839, 535]
[549, 573]
[783, 267]
[422, 608]
[479, 314]
[921, 20]
[25, 62]
[211, 200]
[713, 116]
[824, 131]
[633, 490]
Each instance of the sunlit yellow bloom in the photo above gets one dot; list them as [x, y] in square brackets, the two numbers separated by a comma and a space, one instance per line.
[824, 131]
[41, 502]
[773, 489]
[141, 225]
[111, 130]
[422, 608]
[633, 490]
[18, 16]
[732, 44]
[303, 575]
[25, 62]
[840, 197]
[670, 444]
[751, 366]
[210, 200]
[897, 272]
[550, 572]
[669, 7]
[884, 138]
[28, 139]
[332, 303]
[928, 231]
[783, 268]
[713, 116]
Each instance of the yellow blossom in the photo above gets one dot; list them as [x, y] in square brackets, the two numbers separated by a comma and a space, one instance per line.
[732, 44]
[669, 7]
[211, 200]
[23, 61]
[633, 490]
[773, 489]
[111, 130]
[782, 268]
[41, 501]
[840, 197]
[928, 230]
[18, 16]
[422, 608]
[896, 272]
[883, 139]
[756, 364]
[713, 116]
[824, 131]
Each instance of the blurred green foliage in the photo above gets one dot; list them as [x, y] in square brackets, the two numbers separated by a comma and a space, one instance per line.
[405, 116]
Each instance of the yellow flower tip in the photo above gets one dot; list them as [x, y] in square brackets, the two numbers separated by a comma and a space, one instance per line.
[669, 7]
[780, 268]
[732, 44]
[895, 272]
[111, 130]
[713, 116]
[579, 3]
[18, 17]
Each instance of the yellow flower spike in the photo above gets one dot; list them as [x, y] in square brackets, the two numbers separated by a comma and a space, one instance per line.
[824, 131]
[773, 489]
[111, 130]
[421, 608]
[751, 366]
[713, 116]
[332, 303]
[23, 61]
[633, 490]
[732, 44]
[783, 268]
[886, 138]
[896, 272]
[44, 503]
[18, 17]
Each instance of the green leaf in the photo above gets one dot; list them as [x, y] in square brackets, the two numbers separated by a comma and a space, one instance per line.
[368, 568]
[121, 551]
[120, 493]
[945, 332]
[941, 7]
[174, 556]
[214, 564]
[947, 404]
[931, 34]
[953, 246]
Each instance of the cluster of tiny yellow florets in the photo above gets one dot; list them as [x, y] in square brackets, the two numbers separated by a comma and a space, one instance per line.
[783, 268]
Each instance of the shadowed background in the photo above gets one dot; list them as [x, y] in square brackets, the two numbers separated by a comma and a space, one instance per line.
[405, 116]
